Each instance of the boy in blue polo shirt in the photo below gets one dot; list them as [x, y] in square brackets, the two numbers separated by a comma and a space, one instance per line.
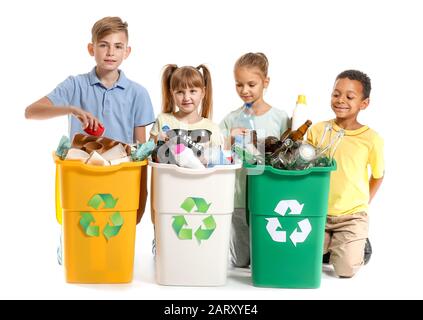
[104, 96]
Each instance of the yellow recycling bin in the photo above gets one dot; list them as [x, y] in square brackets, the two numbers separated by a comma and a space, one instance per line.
[97, 207]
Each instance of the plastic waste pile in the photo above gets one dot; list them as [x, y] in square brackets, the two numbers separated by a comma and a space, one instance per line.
[189, 149]
[101, 151]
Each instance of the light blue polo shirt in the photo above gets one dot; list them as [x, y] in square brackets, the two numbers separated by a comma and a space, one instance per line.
[121, 109]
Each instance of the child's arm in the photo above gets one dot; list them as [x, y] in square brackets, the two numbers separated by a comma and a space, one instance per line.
[374, 185]
[140, 134]
[377, 166]
[44, 109]
[230, 140]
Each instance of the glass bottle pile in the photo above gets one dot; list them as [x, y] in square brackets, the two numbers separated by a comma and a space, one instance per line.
[291, 152]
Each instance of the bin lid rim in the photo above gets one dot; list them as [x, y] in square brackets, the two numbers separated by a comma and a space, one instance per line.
[281, 172]
[194, 171]
[77, 163]
[194, 213]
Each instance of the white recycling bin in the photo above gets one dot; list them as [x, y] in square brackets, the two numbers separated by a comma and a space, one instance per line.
[192, 212]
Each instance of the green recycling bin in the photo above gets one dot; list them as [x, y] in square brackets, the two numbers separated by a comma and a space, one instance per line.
[287, 215]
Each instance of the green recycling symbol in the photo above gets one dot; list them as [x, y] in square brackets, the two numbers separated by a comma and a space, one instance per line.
[180, 225]
[110, 230]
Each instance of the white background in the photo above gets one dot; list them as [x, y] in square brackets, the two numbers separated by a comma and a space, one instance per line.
[307, 42]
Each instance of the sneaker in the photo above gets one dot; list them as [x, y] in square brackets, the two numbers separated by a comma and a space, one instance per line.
[367, 251]
[59, 256]
[153, 247]
[60, 252]
[326, 258]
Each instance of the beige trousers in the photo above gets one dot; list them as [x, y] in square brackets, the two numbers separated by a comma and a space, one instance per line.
[345, 238]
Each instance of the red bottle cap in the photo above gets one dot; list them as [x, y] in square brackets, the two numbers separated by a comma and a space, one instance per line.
[97, 133]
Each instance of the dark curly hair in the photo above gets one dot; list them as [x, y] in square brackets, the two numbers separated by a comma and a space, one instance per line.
[359, 76]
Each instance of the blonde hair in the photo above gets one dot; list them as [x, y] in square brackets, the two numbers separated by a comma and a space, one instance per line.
[176, 78]
[106, 26]
[251, 60]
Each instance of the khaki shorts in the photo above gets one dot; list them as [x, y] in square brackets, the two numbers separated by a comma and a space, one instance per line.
[345, 238]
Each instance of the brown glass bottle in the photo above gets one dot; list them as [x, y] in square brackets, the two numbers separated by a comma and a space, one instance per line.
[298, 134]
[271, 144]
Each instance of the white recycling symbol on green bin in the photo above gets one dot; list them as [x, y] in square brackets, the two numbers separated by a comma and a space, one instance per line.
[87, 218]
[274, 228]
[180, 225]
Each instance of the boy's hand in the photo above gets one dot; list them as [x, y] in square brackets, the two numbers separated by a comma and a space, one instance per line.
[86, 118]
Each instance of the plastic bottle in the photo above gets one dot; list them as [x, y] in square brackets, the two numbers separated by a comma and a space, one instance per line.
[245, 120]
[248, 154]
[301, 113]
[215, 156]
[245, 117]
[185, 157]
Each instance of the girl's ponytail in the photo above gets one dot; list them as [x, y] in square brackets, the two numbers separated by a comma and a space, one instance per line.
[207, 106]
[168, 105]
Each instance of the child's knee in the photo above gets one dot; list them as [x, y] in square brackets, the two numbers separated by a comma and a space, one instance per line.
[346, 267]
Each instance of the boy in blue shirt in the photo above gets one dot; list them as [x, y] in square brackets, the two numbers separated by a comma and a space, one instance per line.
[104, 96]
